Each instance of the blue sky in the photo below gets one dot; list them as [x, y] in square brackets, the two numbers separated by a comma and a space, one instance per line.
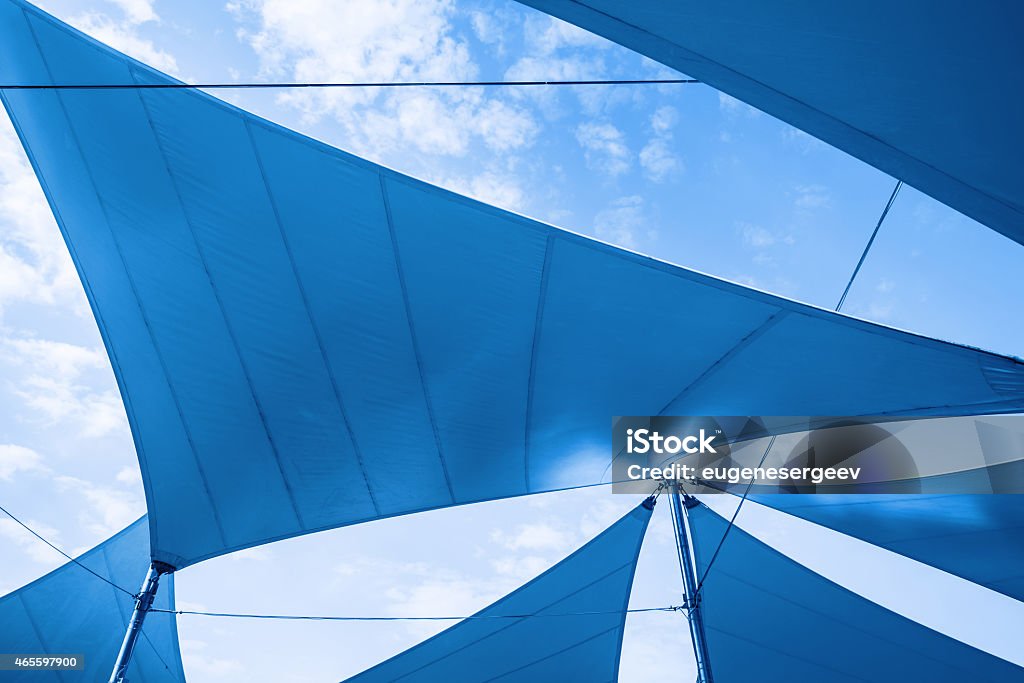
[680, 172]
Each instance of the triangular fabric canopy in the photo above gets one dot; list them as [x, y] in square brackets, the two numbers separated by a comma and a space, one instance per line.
[987, 531]
[571, 628]
[769, 619]
[72, 612]
[298, 333]
[928, 92]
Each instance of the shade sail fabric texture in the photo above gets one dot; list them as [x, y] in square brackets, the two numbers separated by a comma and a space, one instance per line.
[577, 612]
[768, 618]
[986, 531]
[72, 612]
[877, 80]
[304, 339]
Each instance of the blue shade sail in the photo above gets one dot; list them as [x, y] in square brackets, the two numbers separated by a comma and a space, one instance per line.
[769, 619]
[929, 92]
[977, 537]
[72, 612]
[571, 625]
[304, 339]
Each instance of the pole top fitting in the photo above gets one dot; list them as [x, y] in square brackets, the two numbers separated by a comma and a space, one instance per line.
[162, 567]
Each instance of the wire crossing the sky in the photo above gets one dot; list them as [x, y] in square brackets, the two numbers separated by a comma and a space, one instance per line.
[732, 521]
[871, 240]
[365, 84]
[32, 531]
[292, 617]
[849, 285]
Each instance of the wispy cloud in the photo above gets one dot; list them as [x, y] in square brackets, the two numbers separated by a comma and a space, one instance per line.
[198, 657]
[539, 536]
[604, 147]
[546, 35]
[129, 476]
[763, 242]
[734, 107]
[107, 509]
[123, 34]
[758, 237]
[29, 544]
[384, 40]
[555, 50]
[34, 264]
[658, 160]
[15, 459]
[810, 197]
[625, 223]
[137, 11]
[492, 187]
[54, 390]
[803, 141]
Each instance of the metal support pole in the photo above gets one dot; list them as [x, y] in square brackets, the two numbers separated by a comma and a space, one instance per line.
[691, 601]
[143, 603]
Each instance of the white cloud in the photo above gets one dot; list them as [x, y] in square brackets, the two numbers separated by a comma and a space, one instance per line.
[568, 66]
[878, 310]
[657, 159]
[644, 659]
[604, 147]
[384, 40]
[545, 35]
[486, 27]
[130, 476]
[625, 223]
[197, 659]
[664, 119]
[124, 36]
[14, 459]
[34, 264]
[806, 142]
[54, 390]
[599, 516]
[94, 414]
[733, 107]
[32, 546]
[440, 596]
[755, 236]
[436, 597]
[54, 357]
[137, 11]
[538, 536]
[503, 127]
[810, 197]
[422, 117]
[490, 187]
[109, 509]
[260, 553]
[555, 50]
[493, 27]
[521, 569]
